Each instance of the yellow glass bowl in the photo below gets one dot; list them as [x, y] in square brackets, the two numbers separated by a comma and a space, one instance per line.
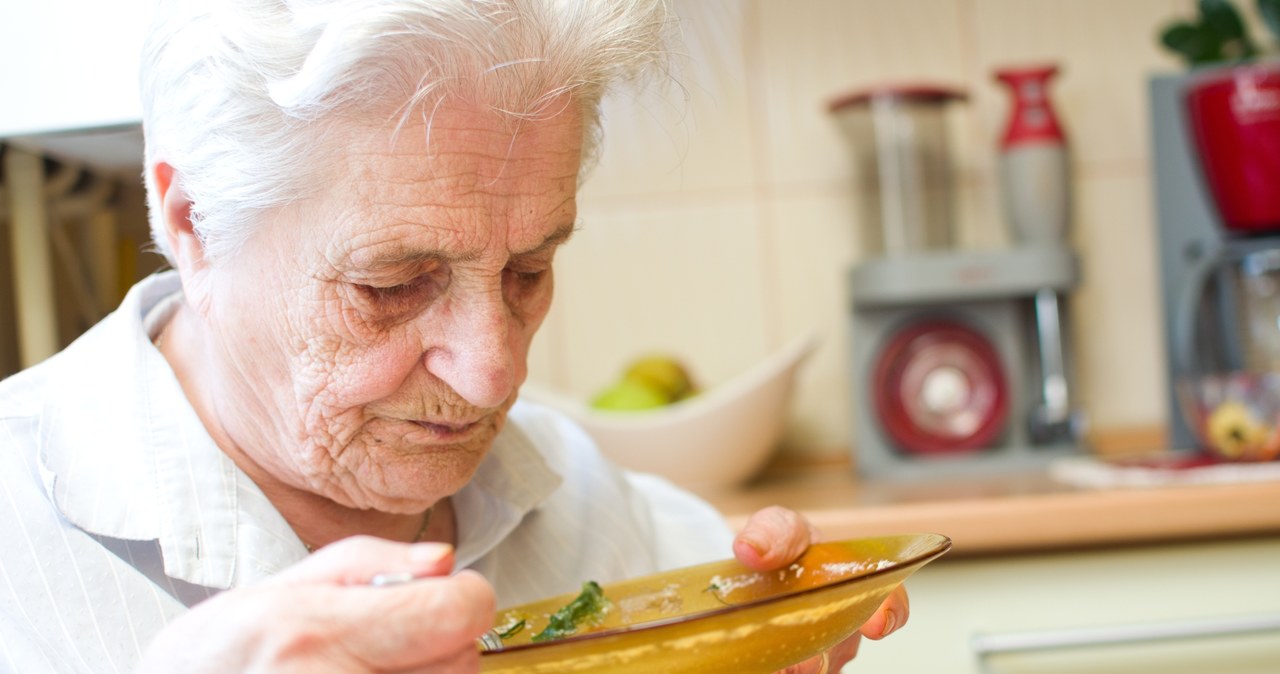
[722, 616]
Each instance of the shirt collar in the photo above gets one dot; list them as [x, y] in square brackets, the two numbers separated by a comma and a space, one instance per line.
[124, 455]
[511, 482]
[97, 426]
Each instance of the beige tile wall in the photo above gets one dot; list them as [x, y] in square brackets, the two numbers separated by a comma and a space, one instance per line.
[721, 221]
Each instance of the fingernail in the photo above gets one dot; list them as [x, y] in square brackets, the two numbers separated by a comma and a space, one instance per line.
[427, 553]
[890, 622]
[757, 548]
[390, 579]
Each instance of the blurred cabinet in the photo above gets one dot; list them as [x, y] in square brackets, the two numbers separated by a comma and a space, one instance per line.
[70, 124]
[70, 80]
[1192, 607]
[70, 64]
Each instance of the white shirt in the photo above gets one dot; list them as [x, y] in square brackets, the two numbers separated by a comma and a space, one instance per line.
[118, 512]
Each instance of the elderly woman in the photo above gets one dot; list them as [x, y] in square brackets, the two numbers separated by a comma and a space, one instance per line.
[361, 201]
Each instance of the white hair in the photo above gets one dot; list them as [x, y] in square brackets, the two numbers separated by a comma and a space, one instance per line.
[238, 94]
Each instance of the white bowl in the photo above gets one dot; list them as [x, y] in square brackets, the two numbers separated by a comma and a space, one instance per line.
[717, 439]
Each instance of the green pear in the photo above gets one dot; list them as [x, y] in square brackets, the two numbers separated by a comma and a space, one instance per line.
[629, 395]
[662, 373]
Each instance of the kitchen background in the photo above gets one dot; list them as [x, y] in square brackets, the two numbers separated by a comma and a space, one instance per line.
[720, 229]
[722, 219]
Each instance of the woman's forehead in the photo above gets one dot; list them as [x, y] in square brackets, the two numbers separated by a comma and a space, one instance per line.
[460, 138]
[456, 185]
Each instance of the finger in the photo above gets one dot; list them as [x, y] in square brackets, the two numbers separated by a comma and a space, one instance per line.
[359, 559]
[772, 538]
[818, 664]
[843, 653]
[830, 662]
[426, 622]
[466, 662]
[889, 617]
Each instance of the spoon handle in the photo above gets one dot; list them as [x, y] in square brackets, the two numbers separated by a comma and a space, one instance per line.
[490, 641]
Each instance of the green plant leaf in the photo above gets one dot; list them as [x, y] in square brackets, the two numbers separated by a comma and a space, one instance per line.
[1192, 42]
[1221, 17]
[1270, 11]
[1180, 37]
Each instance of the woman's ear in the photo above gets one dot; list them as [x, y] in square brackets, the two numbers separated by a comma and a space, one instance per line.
[185, 245]
[175, 209]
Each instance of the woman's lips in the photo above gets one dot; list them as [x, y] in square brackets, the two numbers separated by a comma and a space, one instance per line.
[447, 430]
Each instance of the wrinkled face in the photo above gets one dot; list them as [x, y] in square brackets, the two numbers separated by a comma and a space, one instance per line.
[371, 340]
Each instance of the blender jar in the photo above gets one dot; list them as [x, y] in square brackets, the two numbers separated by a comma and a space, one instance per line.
[1227, 341]
[1257, 280]
[902, 161]
[1229, 313]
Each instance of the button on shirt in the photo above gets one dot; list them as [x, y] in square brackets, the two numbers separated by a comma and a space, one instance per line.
[118, 512]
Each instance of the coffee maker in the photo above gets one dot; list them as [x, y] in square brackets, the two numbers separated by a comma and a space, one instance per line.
[1216, 141]
[961, 363]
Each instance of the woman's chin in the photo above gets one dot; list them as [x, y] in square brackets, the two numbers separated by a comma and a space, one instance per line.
[411, 477]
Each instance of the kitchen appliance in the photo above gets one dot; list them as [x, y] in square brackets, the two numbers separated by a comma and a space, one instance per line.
[1034, 169]
[1216, 137]
[960, 358]
[899, 138]
[1035, 183]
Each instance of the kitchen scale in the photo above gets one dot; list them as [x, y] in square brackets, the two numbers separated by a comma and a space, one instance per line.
[960, 360]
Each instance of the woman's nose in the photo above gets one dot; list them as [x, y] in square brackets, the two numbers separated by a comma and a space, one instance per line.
[475, 359]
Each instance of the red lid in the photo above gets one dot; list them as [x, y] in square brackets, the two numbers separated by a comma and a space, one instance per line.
[918, 92]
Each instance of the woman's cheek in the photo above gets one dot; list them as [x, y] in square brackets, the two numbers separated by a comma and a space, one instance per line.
[380, 373]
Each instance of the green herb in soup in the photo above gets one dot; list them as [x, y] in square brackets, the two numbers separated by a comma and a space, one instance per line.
[511, 630]
[585, 610]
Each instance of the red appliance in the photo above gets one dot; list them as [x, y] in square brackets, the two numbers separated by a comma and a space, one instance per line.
[1234, 114]
[1035, 173]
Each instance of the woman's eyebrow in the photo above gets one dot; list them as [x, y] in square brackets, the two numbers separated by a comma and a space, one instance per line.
[404, 256]
[556, 238]
[399, 257]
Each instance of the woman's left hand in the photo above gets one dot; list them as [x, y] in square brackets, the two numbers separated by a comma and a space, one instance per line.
[775, 537]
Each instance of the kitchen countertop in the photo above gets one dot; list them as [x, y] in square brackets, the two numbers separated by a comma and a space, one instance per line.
[1009, 513]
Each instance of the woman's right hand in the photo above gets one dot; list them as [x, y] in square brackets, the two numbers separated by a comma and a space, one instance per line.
[321, 616]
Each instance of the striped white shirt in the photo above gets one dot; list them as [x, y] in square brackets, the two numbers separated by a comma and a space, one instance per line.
[118, 512]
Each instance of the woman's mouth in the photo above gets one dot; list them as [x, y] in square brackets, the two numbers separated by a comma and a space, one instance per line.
[447, 431]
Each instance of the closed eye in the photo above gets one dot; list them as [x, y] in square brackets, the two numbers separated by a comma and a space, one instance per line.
[400, 296]
[529, 276]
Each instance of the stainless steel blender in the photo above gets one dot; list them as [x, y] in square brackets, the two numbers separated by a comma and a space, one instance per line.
[960, 361]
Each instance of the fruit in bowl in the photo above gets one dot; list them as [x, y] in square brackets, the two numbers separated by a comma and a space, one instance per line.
[648, 382]
[1235, 415]
[715, 439]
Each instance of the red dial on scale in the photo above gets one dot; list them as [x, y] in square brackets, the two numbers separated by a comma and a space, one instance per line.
[939, 388]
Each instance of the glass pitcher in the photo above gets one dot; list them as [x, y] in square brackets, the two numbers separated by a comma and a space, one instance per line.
[1230, 313]
[902, 162]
